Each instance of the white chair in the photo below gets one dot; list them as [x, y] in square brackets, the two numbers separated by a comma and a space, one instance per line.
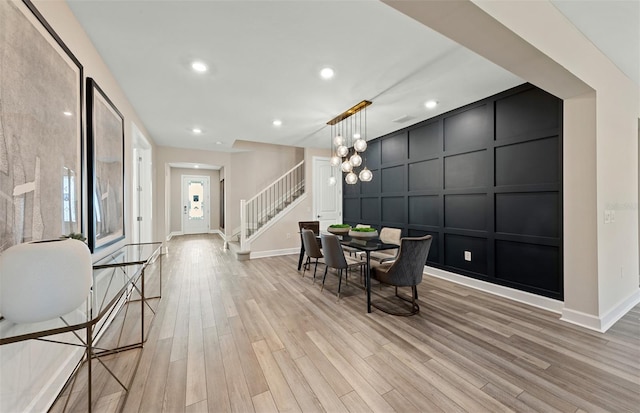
[388, 236]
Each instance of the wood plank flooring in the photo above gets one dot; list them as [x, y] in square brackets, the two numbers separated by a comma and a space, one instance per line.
[233, 336]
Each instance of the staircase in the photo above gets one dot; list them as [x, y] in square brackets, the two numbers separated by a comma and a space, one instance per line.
[259, 212]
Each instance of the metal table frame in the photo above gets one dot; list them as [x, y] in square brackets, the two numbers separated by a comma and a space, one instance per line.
[366, 246]
[129, 264]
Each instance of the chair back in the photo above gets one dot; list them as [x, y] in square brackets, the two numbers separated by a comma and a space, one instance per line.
[390, 235]
[333, 254]
[407, 269]
[312, 225]
[310, 244]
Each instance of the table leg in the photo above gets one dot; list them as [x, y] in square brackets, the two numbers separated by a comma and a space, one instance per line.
[368, 280]
[301, 255]
[89, 355]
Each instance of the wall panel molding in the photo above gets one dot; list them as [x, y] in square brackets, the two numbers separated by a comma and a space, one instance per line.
[484, 180]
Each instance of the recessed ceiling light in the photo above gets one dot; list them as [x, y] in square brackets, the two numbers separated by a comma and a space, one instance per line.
[430, 104]
[327, 73]
[67, 113]
[199, 67]
[277, 122]
[196, 166]
[218, 143]
[196, 130]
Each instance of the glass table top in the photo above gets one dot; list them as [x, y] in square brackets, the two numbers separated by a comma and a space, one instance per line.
[113, 276]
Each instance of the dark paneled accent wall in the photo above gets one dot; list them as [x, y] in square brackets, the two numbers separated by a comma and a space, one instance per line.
[485, 179]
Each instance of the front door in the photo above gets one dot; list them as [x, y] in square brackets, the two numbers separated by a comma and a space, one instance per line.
[195, 204]
[327, 198]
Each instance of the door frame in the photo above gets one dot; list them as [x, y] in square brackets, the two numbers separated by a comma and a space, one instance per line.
[207, 211]
[317, 184]
[141, 187]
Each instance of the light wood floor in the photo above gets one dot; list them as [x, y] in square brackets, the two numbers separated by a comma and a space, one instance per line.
[256, 336]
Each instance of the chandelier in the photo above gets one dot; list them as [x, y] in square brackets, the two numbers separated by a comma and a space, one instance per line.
[348, 143]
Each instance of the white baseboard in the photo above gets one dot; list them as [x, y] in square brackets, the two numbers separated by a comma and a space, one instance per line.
[603, 323]
[275, 253]
[581, 319]
[177, 233]
[534, 300]
[174, 234]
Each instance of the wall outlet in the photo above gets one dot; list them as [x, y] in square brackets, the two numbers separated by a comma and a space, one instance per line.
[288, 235]
[607, 216]
[613, 216]
[467, 255]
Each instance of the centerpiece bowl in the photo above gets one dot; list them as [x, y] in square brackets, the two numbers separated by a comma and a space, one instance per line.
[339, 229]
[363, 233]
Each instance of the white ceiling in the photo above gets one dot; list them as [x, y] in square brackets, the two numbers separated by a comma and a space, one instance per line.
[264, 59]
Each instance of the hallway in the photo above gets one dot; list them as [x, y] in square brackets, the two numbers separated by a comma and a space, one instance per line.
[255, 336]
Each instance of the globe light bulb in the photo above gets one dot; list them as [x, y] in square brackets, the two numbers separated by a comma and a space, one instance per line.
[342, 151]
[338, 140]
[360, 145]
[335, 160]
[351, 178]
[366, 175]
[332, 180]
[355, 160]
[346, 166]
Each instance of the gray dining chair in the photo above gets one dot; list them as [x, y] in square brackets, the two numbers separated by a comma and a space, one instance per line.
[405, 271]
[311, 249]
[388, 236]
[334, 258]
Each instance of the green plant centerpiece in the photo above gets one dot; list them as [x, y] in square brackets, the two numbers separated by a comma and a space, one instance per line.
[363, 233]
[74, 235]
[339, 229]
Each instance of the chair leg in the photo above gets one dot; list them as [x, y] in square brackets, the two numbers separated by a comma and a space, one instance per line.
[306, 264]
[339, 284]
[324, 278]
[314, 271]
[415, 308]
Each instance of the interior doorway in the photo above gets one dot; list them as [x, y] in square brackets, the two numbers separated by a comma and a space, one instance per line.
[142, 200]
[327, 198]
[196, 210]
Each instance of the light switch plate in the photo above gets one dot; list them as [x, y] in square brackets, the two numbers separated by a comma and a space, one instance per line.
[467, 255]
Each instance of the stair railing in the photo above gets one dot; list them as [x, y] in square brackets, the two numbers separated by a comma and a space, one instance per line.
[256, 212]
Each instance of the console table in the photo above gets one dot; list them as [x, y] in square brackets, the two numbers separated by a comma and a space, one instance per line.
[118, 281]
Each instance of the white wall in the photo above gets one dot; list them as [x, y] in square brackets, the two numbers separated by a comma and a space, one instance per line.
[283, 236]
[253, 170]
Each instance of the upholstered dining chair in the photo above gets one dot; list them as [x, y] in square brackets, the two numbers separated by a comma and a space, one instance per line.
[388, 236]
[334, 258]
[311, 249]
[405, 271]
[313, 226]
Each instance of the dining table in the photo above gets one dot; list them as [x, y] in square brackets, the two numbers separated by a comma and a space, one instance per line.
[366, 245]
